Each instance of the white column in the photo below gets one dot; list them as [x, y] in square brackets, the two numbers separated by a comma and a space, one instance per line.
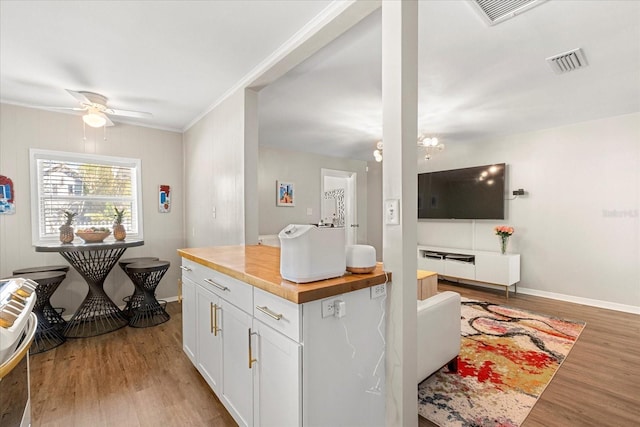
[399, 182]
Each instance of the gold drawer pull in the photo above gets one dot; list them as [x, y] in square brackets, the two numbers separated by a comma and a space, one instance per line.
[269, 313]
[217, 285]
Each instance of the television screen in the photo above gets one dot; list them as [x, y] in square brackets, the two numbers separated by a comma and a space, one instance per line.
[469, 193]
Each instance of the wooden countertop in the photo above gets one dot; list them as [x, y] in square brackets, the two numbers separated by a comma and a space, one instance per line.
[259, 265]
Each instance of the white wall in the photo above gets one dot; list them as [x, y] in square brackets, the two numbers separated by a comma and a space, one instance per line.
[161, 156]
[303, 169]
[578, 227]
[214, 165]
[374, 207]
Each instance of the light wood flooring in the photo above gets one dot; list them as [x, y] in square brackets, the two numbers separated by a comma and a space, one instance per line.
[141, 377]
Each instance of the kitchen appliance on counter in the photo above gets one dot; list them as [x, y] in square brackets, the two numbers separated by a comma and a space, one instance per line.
[17, 328]
[361, 259]
[309, 253]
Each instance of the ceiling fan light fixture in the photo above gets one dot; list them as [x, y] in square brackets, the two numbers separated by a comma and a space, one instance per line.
[95, 119]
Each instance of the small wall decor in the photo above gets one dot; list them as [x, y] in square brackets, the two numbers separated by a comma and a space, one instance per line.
[7, 203]
[285, 193]
[164, 199]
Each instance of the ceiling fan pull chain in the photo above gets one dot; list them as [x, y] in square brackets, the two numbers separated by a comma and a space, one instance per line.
[105, 131]
[84, 131]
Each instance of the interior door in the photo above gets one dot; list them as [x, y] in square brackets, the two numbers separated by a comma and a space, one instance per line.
[338, 204]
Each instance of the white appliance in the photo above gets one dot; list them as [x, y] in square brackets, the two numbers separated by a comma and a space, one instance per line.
[309, 253]
[361, 259]
[17, 328]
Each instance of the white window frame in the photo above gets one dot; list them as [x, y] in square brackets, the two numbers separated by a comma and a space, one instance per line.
[36, 154]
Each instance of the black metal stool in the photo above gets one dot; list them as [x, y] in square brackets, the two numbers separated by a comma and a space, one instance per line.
[52, 314]
[123, 263]
[145, 309]
[48, 335]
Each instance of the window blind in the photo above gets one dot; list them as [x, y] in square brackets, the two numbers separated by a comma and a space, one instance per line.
[92, 188]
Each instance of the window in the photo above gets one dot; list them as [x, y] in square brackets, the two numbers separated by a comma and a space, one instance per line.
[92, 186]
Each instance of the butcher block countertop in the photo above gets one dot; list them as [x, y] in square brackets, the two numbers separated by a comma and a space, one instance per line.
[259, 265]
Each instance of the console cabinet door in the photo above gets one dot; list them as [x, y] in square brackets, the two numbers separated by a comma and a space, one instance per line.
[237, 376]
[277, 393]
[209, 338]
[189, 319]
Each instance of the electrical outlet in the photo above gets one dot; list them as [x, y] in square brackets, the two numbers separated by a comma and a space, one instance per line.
[327, 308]
[378, 291]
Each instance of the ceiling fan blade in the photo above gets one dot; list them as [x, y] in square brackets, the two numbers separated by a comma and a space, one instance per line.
[108, 122]
[80, 97]
[125, 113]
[59, 108]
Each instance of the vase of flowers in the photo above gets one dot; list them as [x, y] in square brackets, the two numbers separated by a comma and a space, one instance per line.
[504, 232]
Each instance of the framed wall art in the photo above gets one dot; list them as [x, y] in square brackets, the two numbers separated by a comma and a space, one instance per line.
[285, 193]
[7, 202]
[164, 198]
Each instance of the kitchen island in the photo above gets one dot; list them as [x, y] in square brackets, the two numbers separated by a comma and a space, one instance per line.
[281, 353]
[259, 266]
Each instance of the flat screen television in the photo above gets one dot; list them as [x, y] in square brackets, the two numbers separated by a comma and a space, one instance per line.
[469, 193]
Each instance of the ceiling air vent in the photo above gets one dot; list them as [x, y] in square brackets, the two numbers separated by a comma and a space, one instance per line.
[567, 61]
[495, 11]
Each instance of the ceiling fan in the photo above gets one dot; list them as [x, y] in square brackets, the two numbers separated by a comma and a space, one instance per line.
[97, 110]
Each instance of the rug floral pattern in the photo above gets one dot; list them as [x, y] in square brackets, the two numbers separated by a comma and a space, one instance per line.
[507, 358]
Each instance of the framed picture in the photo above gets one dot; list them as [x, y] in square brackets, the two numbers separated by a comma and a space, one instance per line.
[285, 193]
[164, 198]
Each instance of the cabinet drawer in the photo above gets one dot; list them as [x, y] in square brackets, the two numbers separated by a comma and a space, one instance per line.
[278, 313]
[460, 269]
[192, 270]
[234, 291]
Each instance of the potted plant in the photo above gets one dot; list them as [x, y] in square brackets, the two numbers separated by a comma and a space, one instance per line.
[66, 230]
[119, 233]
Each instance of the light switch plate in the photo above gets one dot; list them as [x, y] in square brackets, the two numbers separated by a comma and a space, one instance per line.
[392, 212]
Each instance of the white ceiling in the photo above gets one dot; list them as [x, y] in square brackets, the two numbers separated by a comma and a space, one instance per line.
[177, 58]
[171, 58]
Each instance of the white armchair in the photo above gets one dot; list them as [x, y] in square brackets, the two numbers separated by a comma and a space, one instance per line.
[438, 333]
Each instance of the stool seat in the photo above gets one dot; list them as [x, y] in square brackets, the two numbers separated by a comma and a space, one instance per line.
[50, 323]
[145, 309]
[136, 293]
[40, 269]
[126, 261]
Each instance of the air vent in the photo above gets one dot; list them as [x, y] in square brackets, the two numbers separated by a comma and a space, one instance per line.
[495, 11]
[567, 61]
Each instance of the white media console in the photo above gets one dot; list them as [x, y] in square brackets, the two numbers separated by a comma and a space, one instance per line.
[491, 268]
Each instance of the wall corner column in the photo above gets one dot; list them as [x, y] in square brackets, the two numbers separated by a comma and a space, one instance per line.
[399, 99]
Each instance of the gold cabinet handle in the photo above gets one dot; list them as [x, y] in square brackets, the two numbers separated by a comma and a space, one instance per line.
[185, 268]
[251, 359]
[217, 285]
[215, 320]
[269, 313]
[213, 317]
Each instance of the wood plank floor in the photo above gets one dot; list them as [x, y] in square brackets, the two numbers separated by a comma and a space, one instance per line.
[130, 377]
[141, 377]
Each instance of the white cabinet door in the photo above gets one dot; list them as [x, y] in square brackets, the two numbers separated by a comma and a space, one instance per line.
[237, 375]
[189, 319]
[277, 392]
[209, 338]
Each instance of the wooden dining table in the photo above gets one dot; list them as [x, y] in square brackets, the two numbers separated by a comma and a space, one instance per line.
[97, 313]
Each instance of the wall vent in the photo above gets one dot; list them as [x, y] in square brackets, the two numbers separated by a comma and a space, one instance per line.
[567, 61]
[495, 11]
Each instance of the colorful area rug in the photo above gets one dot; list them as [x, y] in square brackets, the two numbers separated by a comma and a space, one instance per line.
[507, 358]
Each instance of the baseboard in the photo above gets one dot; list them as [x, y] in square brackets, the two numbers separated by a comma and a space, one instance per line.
[579, 300]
